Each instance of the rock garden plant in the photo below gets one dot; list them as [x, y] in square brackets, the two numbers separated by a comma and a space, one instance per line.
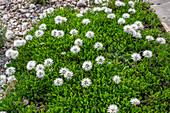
[107, 59]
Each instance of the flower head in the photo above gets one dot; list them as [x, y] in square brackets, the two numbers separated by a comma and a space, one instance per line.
[86, 82]
[43, 27]
[119, 3]
[131, 10]
[31, 65]
[9, 34]
[48, 62]
[89, 34]
[87, 65]
[100, 59]
[58, 82]
[75, 49]
[62, 71]
[11, 78]
[113, 109]
[39, 33]
[149, 38]
[78, 42]
[50, 10]
[39, 67]
[85, 21]
[147, 53]
[2, 79]
[29, 37]
[131, 3]
[121, 21]
[68, 74]
[111, 15]
[161, 40]
[117, 79]
[79, 15]
[54, 33]
[10, 71]
[98, 45]
[136, 57]
[60, 33]
[40, 73]
[42, 15]
[73, 32]
[135, 101]
[126, 15]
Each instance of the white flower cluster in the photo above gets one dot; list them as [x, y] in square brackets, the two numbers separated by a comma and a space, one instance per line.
[73, 32]
[79, 15]
[98, 45]
[87, 65]
[89, 34]
[131, 3]
[9, 34]
[149, 38]
[117, 79]
[2, 80]
[113, 109]
[121, 21]
[134, 29]
[86, 82]
[161, 40]
[59, 19]
[66, 72]
[126, 15]
[102, 2]
[11, 53]
[31, 65]
[39, 33]
[10, 71]
[24, 25]
[75, 49]
[137, 57]
[46, 11]
[131, 10]
[43, 27]
[100, 59]
[28, 37]
[18, 43]
[85, 21]
[57, 33]
[111, 16]
[105, 9]
[135, 101]
[119, 3]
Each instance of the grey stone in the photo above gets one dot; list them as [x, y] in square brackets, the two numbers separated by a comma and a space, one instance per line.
[81, 3]
[28, 15]
[23, 10]
[2, 7]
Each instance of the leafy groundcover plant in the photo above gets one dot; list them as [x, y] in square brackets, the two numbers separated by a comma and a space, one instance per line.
[98, 61]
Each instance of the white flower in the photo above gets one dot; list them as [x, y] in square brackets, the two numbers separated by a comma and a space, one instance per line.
[86, 82]
[132, 32]
[9, 34]
[131, 3]
[85, 21]
[89, 34]
[135, 101]
[108, 10]
[75, 49]
[31, 65]
[103, 8]
[98, 2]
[64, 19]
[78, 42]
[121, 21]
[79, 15]
[139, 24]
[161, 40]
[43, 15]
[63, 53]
[8, 53]
[97, 9]
[48, 62]
[40, 73]
[113, 109]
[10, 71]
[73, 32]
[39, 67]
[5, 66]
[17, 43]
[50, 10]
[134, 26]
[149, 38]
[3, 112]
[62, 71]
[11, 78]
[100, 59]
[15, 54]
[117, 79]
[45, 11]
[98, 45]
[111, 15]
[43, 27]
[83, 11]
[23, 42]
[24, 25]
[147, 53]
[136, 57]
[131, 10]
[54, 33]
[58, 82]
[68, 74]
[60, 33]
[87, 65]
[126, 15]
[29, 37]
[39, 33]
[127, 28]
[138, 35]
[119, 3]
[2, 79]
[59, 19]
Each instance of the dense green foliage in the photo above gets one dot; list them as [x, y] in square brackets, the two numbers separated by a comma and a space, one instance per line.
[147, 80]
